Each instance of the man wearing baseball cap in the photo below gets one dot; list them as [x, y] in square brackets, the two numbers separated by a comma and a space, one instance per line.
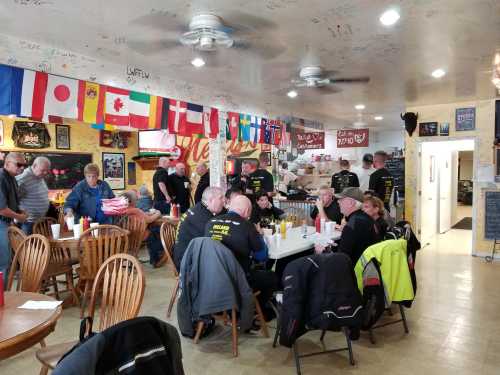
[359, 231]
[365, 172]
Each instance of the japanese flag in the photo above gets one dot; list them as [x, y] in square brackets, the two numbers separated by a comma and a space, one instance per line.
[61, 99]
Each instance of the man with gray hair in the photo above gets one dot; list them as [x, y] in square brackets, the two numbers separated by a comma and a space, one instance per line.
[9, 205]
[33, 192]
[161, 197]
[179, 187]
[204, 182]
[193, 221]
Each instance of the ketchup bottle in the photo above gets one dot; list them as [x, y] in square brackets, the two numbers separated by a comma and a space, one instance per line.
[174, 210]
[317, 224]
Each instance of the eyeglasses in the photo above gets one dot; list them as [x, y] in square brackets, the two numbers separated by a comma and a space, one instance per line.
[19, 165]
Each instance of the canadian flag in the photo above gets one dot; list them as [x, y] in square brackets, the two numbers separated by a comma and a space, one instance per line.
[61, 99]
[117, 106]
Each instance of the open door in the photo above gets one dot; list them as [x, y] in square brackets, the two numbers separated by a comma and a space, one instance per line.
[428, 194]
[445, 190]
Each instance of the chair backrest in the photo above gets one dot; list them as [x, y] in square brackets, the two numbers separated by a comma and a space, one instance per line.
[122, 282]
[97, 244]
[16, 236]
[137, 229]
[42, 226]
[168, 234]
[32, 257]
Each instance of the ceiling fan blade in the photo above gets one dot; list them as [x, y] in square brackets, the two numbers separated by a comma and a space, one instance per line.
[243, 23]
[264, 49]
[320, 90]
[149, 48]
[164, 20]
[350, 80]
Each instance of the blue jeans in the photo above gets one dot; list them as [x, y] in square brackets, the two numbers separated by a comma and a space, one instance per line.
[27, 227]
[155, 248]
[162, 206]
[4, 252]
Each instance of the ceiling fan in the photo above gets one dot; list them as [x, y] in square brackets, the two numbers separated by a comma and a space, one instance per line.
[207, 32]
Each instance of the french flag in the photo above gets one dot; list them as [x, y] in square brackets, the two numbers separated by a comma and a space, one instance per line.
[194, 120]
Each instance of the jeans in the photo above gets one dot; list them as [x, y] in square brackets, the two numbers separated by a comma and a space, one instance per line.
[155, 248]
[27, 227]
[163, 207]
[4, 252]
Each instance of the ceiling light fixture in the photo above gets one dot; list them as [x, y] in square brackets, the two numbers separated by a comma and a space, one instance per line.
[359, 107]
[438, 73]
[198, 62]
[389, 17]
[292, 94]
[378, 118]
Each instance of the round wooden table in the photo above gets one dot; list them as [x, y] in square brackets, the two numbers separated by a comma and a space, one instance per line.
[21, 329]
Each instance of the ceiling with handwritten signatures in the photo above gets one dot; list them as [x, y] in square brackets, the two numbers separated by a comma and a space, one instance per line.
[134, 44]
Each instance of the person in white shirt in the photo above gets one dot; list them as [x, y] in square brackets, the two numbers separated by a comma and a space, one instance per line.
[285, 177]
[365, 172]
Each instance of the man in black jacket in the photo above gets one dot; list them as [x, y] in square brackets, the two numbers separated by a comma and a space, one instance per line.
[204, 181]
[359, 231]
[261, 180]
[193, 221]
[381, 181]
[345, 178]
[179, 187]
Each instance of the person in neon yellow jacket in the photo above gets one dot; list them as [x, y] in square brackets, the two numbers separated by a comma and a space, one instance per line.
[391, 256]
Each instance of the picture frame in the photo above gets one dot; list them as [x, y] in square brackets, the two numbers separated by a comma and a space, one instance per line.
[131, 173]
[428, 129]
[113, 169]
[465, 119]
[444, 129]
[63, 141]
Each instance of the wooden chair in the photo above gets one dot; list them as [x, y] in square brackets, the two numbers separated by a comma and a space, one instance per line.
[61, 263]
[16, 236]
[95, 246]
[42, 226]
[31, 259]
[168, 234]
[122, 282]
[137, 229]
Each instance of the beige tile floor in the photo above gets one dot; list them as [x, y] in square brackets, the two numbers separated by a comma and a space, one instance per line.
[454, 327]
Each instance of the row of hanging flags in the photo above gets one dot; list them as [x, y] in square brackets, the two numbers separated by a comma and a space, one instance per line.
[49, 98]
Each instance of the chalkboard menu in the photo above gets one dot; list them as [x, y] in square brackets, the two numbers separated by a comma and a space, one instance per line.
[396, 166]
[492, 220]
[66, 169]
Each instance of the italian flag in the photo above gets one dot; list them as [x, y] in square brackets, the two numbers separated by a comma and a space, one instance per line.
[139, 110]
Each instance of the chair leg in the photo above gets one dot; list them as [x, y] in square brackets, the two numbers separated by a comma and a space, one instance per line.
[278, 324]
[234, 330]
[403, 316]
[322, 337]
[262, 320]
[44, 370]
[349, 345]
[199, 329]
[172, 299]
[56, 288]
[371, 336]
[71, 288]
[296, 356]
[84, 298]
[43, 344]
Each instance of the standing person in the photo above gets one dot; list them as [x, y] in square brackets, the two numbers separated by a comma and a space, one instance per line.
[365, 172]
[204, 181]
[381, 181]
[33, 192]
[261, 179]
[9, 206]
[327, 206]
[161, 197]
[285, 177]
[86, 197]
[345, 178]
[242, 181]
[179, 187]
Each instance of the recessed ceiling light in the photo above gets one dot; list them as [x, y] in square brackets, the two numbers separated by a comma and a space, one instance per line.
[378, 118]
[292, 94]
[389, 17]
[438, 73]
[198, 62]
[359, 107]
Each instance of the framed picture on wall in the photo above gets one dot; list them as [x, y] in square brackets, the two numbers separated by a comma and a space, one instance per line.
[113, 169]
[428, 129]
[465, 119]
[62, 137]
[1, 132]
[131, 173]
[444, 129]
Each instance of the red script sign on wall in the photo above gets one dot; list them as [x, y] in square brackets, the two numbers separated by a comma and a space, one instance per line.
[352, 138]
[310, 141]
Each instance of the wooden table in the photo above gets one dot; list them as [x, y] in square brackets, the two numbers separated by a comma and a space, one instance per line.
[21, 329]
[166, 219]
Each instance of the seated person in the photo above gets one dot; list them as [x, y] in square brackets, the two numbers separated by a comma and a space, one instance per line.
[263, 212]
[374, 207]
[358, 232]
[327, 206]
[145, 201]
[193, 221]
[232, 192]
[157, 256]
[238, 234]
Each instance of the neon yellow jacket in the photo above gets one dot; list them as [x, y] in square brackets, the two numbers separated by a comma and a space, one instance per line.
[392, 259]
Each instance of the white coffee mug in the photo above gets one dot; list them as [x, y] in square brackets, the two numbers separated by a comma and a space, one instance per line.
[56, 231]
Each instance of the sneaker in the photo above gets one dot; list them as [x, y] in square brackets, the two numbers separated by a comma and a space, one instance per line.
[162, 261]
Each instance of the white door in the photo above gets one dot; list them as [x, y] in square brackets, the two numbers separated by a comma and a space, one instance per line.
[429, 195]
[445, 190]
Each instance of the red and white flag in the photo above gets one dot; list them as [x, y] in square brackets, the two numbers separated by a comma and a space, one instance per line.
[176, 116]
[34, 88]
[117, 107]
[234, 124]
[194, 120]
[61, 99]
[210, 122]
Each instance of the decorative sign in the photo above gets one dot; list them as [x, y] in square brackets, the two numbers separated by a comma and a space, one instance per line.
[113, 169]
[465, 119]
[492, 213]
[29, 134]
[62, 137]
[428, 129]
[444, 129]
[310, 141]
[352, 138]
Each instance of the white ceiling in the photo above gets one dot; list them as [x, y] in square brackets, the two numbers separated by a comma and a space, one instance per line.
[460, 36]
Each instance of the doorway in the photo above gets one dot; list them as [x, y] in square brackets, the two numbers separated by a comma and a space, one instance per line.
[445, 179]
